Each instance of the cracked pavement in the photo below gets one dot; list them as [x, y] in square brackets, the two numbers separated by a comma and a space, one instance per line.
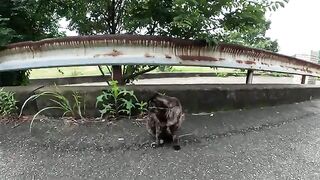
[280, 142]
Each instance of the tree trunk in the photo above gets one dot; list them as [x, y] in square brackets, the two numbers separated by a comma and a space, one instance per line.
[117, 75]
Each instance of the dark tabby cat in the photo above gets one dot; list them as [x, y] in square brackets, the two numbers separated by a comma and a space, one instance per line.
[165, 118]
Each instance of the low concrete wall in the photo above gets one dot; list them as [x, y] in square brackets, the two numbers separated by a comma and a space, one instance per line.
[194, 98]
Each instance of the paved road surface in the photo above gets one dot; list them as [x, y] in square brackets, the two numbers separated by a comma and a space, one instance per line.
[281, 142]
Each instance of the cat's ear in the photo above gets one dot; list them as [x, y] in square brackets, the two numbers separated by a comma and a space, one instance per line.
[160, 94]
[154, 96]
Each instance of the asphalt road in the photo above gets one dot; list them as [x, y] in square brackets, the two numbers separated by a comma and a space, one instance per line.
[281, 142]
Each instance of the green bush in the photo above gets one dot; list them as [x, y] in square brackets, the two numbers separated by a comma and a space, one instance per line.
[7, 103]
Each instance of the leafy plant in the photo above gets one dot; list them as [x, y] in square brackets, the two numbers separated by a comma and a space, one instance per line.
[7, 103]
[74, 108]
[116, 101]
[142, 107]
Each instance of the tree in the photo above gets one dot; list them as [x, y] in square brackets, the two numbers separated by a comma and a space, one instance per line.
[92, 17]
[30, 20]
[6, 34]
[25, 21]
[237, 21]
[253, 37]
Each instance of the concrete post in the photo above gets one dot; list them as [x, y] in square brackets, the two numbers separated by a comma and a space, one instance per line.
[249, 76]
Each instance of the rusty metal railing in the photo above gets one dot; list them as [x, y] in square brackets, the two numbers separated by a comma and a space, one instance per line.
[146, 50]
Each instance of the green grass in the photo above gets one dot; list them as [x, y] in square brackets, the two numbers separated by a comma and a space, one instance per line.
[67, 72]
[94, 71]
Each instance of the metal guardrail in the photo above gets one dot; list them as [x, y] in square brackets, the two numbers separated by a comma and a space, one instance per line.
[146, 50]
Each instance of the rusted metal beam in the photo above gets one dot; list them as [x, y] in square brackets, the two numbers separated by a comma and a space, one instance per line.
[145, 50]
[249, 78]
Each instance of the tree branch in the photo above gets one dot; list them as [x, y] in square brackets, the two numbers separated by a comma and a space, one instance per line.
[132, 76]
[110, 72]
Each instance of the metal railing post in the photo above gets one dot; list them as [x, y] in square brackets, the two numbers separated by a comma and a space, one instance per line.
[117, 74]
[249, 76]
[303, 79]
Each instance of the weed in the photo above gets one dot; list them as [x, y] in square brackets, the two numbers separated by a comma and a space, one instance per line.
[74, 108]
[116, 101]
[7, 103]
[142, 107]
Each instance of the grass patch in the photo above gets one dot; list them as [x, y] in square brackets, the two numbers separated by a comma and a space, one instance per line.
[64, 72]
[94, 71]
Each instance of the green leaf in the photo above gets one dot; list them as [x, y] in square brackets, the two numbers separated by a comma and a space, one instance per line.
[281, 4]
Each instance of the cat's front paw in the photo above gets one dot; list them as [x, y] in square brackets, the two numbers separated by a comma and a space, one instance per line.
[154, 145]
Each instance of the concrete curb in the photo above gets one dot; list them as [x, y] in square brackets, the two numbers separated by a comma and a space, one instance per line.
[194, 98]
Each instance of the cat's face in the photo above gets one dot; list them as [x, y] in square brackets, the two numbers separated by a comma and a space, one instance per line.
[158, 103]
